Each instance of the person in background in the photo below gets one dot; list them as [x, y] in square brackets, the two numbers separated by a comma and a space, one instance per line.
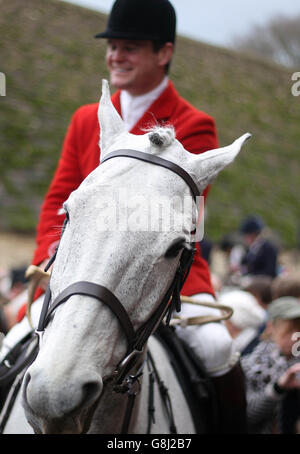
[272, 371]
[206, 249]
[13, 287]
[234, 250]
[286, 285]
[261, 255]
[261, 288]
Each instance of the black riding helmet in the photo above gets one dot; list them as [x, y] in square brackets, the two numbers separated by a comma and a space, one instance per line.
[252, 224]
[153, 20]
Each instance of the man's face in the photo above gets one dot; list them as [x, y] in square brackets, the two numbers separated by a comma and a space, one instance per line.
[134, 66]
[249, 238]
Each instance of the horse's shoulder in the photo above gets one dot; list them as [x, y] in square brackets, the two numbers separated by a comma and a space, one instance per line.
[190, 374]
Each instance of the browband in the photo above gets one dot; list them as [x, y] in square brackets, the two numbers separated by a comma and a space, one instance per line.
[158, 161]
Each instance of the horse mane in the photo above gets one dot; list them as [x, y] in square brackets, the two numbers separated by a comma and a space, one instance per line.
[162, 136]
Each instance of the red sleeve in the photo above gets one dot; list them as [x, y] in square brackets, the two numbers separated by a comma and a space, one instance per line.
[198, 134]
[66, 179]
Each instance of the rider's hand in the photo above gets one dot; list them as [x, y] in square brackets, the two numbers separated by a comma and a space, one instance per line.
[45, 281]
[290, 380]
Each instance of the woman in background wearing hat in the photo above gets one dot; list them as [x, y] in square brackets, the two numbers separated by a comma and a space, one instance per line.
[273, 372]
[248, 318]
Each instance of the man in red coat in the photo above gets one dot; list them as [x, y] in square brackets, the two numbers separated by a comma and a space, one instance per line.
[141, 38]
[145, 97]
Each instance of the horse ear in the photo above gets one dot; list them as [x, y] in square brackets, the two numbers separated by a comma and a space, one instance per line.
[111, 124]
[210, 163]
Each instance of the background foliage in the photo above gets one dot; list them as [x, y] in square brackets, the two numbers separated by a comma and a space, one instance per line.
[53, 65]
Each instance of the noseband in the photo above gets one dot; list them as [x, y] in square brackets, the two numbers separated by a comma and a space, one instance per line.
[136, 340]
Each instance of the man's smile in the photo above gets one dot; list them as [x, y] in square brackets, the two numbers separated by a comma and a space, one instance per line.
[121, 70]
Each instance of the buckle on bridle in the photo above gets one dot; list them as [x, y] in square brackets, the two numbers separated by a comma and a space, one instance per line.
[121, 380]
[127, 386]
[129, 357]
[39, 333]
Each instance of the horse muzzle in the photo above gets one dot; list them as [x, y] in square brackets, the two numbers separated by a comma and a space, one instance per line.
[60, 408]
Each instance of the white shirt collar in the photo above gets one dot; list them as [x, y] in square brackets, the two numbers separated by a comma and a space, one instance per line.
[133, 107]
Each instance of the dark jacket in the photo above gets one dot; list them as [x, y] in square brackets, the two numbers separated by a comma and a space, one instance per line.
[261, 259]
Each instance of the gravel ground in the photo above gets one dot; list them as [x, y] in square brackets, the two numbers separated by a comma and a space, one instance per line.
[15, 250]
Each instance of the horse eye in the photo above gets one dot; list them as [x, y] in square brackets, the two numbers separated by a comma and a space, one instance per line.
[175, 248]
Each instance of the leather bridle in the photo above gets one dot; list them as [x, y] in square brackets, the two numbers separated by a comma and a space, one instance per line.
[136, 340]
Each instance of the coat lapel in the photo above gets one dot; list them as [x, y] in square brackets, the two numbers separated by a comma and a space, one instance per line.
[159, 112]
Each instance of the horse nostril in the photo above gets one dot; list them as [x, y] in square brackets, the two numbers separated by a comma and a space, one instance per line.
[91, 391]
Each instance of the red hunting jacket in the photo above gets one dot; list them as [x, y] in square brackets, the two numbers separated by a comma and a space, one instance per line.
[80, 156]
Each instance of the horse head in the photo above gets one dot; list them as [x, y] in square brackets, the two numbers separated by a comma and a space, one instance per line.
[117, 235]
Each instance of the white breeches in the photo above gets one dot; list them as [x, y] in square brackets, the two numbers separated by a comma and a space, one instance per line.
[211, 342]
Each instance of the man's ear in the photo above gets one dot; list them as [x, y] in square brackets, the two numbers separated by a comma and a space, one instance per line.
[165, 54]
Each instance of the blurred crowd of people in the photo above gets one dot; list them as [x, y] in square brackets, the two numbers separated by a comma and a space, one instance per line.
[13, 287]
[265, 326]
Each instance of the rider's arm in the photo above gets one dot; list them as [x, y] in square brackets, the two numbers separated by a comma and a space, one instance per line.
[66, 179]
[197, 133]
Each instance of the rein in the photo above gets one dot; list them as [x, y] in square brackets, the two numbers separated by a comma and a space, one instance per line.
[127, 153]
